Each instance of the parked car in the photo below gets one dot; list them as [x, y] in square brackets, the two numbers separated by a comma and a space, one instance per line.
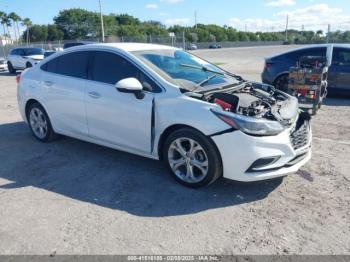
[338, 55]
[163, 103]
[192, 47]
[215, 46]
[23, 57]
[3, 64]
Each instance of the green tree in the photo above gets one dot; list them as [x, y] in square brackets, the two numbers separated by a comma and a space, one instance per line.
[15, 18]
[6, 23]
[2, 16]
[36, 33]
[27, 23]
[78, 23]
[54, 33]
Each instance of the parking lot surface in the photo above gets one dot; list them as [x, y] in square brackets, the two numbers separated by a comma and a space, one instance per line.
[72, 197]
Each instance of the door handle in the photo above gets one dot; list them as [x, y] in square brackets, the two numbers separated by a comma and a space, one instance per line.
[48, 83]
[94, 95]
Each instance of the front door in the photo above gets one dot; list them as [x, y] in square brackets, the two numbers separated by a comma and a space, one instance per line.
[113, 117]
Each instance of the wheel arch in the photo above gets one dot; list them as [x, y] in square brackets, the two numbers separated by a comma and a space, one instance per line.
[279, 75]
[29, 103]
[169, 130]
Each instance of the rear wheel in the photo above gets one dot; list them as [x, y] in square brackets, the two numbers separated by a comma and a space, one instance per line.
[10, 68]
[40, 124]
[281, 83]
[192, 158]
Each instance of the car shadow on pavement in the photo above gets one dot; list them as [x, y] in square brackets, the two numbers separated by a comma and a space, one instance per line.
[110, 178]
[337, 101]
[5, 73]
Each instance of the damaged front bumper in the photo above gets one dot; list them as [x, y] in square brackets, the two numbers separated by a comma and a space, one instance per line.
[248, 158]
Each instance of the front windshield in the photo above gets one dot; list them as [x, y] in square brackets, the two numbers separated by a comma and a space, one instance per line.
[33, 51]
[182, 68]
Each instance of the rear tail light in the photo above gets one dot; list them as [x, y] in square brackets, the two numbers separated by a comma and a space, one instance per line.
[18, 78]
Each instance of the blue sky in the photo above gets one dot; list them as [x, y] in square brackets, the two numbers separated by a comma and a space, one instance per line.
[267, 15]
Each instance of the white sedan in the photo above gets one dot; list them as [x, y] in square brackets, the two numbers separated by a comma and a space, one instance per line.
[163, 103]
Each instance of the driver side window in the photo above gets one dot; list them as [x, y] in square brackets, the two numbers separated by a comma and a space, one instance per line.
[110, 68]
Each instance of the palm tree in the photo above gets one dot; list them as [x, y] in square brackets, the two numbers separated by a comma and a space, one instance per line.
[15, 18]
[27, 23]
[6, 22]
[2, 17]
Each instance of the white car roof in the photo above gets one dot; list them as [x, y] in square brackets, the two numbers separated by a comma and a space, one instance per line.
[128, 47]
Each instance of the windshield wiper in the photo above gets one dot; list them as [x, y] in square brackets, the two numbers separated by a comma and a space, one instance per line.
[203, 82]
[206, 69]
[203, 68]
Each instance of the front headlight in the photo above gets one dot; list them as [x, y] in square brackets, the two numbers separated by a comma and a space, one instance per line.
[250, 125]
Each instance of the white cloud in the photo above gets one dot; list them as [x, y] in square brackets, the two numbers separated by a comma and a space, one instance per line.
[313, 17]
[279, 3]
[151, 6]
[171, 1]
[316, 15]
[256, 24]
[177, 21]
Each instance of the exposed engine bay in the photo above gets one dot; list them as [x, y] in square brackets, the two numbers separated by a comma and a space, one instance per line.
[256, 100]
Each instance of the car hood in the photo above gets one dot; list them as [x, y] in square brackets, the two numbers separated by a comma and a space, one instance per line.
[36, 57]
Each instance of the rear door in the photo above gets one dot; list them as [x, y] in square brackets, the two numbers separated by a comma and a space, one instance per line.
[341, 68]
[64, 83]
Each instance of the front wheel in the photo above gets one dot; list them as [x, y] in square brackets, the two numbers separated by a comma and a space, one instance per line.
[40, 124]
[29, 65]
[10, 68]
[192, 158]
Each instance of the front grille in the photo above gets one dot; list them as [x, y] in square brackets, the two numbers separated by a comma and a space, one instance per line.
[300, 136]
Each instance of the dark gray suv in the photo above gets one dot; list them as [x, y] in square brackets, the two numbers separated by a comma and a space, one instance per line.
[276, 67]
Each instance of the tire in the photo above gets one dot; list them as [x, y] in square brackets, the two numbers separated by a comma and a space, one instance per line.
[40, 124]
[10, 68]
[281, 83]
[29, 65]
[192, 158]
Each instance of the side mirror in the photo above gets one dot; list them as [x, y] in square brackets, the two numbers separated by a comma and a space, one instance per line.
[130, 85]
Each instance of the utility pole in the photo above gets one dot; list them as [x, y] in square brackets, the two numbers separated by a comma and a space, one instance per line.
[195, 19]
[328, 33]
[287, 22]
[302, 30]
[102, 26]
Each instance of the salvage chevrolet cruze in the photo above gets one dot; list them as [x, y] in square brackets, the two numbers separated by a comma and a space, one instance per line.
[163, 103]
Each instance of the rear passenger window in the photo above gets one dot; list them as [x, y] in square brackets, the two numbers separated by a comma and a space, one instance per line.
[341, 56]
[319, 51]
[71, 64]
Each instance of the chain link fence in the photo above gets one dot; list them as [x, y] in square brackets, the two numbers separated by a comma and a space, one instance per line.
[176, 40]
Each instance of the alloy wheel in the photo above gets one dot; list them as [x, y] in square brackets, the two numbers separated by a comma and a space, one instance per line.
[38, 123]
[188, 160]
